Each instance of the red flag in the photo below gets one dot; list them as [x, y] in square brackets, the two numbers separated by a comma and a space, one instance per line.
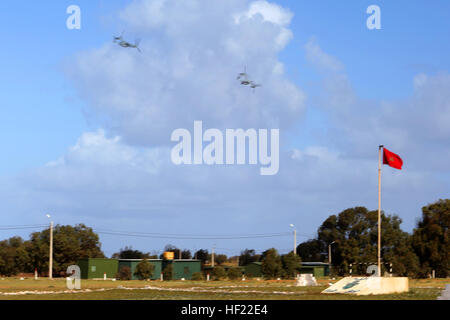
[391, 159]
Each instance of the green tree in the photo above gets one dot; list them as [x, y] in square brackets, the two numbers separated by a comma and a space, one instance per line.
[248, 256]
[355, 232]
[124, 273]
[271, 264]
[220, 259]
[144, 270]
[186, 254]
[12, 256]
[129, 253]
[168, 272]
[218, 273]
[69, 245]
[312, 251]
[291, 264]
[431, 239]
[202, 255]
[234, 273]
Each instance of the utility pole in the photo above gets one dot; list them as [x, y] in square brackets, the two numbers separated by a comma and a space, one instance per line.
[295, 241]
[50, 264]
[379, 209]
[329, 255]
[295, 238]
[212, 257]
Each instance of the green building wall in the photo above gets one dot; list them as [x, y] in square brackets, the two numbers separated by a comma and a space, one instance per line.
[132, 263]
[96, 268]
[184, 269]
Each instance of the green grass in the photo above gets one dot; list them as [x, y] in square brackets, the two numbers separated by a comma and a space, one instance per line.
[200, 290]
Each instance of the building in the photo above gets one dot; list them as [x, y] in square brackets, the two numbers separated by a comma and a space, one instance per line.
[95, 268]
[132, 263]
[209, 269]
[184, 268]
[318, 269]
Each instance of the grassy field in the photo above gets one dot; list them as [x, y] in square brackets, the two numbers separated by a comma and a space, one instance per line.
[44, 289]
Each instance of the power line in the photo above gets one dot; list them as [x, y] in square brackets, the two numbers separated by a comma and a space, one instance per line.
[190, 237]
[21, 227]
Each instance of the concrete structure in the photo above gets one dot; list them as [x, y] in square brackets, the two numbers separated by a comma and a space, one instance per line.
[306, 280]
[369, 285]
[96, 268]
[445, 294]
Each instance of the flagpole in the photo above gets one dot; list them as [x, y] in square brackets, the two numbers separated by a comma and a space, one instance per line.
[379, 210]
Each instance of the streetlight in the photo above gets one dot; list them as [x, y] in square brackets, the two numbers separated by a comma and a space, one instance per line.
[50, 263]
[295, 238]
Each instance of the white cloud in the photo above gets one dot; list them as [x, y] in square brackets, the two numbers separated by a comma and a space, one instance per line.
[324, 61]
[414, 127]
[192, 53]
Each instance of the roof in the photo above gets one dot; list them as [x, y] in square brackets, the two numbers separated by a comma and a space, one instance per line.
[315, 264]
[175, 260]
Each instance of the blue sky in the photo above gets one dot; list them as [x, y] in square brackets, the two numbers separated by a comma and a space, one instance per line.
[52, 100]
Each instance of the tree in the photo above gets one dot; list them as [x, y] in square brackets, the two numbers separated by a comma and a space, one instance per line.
[234, 273]
[168, 272]
[291, 264]
[12, 256]
[312, 251]
[129, 253]
[186, 254]
[218, 273]
[70, 244]
[144, 270]
[202, 255]
[248, 256]
[124, 273]
[220, 258]
[431, 239]
[271, 264]
[355, 233]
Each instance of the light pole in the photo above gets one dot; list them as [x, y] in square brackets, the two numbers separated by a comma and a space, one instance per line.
[212, 256]
[50, 262]
[295, 238]
[329, 255]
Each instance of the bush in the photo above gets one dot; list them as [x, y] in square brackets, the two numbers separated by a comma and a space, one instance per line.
[198, 276]
[144, 270]
[234, 273]
[271, 266]
[291, 265]
[168, 272]
[218, 273]
[124, 273]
